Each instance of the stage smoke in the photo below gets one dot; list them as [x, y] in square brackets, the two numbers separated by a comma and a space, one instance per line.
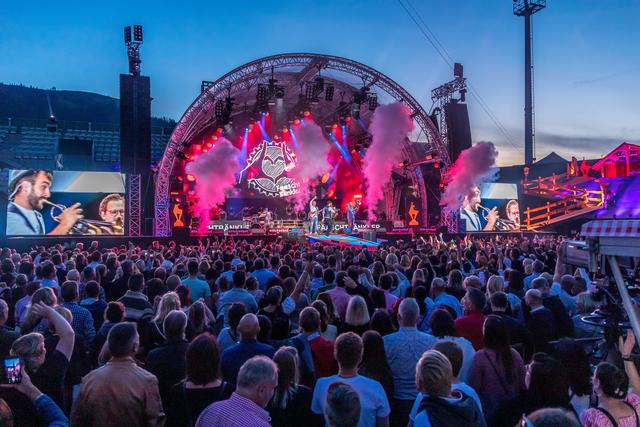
[474, 166]
[311, 153]
[389, 126]
[215, 172]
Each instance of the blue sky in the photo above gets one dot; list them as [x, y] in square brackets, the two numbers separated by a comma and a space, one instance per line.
[585, 54]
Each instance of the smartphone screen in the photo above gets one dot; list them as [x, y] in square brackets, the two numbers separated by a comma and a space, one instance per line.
[12, 370]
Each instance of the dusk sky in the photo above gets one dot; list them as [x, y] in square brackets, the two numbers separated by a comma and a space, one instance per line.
[586, 55]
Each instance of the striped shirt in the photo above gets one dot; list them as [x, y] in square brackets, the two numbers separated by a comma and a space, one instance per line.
[237, 411]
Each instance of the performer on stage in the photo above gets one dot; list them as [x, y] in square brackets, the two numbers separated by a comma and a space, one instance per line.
[28, 192]
[469, 212]
[351, 216]
[327, 217]
[313, 216]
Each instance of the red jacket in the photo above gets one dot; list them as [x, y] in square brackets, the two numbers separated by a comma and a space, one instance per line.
[470, 327]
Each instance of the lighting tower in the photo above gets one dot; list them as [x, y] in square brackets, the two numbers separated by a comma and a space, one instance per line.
[526, 8]
[133, 48]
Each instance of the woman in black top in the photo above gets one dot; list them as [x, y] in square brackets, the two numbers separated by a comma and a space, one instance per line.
[291, 402]
[547, 387]
[374, 362]
[280, 323]
[203, 385]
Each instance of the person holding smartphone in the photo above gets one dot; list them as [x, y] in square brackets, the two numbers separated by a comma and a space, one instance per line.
[46, 409]
[48, 371]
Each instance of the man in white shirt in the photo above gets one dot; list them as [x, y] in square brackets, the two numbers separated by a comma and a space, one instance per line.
[373, 400]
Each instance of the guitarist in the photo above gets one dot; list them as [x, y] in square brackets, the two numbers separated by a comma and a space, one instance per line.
[328, 213]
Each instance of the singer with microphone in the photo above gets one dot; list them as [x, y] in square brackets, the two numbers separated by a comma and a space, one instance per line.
[29, 190]
[469, 212]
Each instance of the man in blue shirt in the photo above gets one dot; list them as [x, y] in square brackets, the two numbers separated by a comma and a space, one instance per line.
[234, 357]
[440, 297]
[538, 268]
[236, 294]
[374, 405]
[403, 350]
[198, 289]
[262, 274]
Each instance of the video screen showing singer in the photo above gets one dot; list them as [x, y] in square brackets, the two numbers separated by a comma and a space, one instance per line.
[28, 192]
[112, 211]
[513, 214]
[469, 212]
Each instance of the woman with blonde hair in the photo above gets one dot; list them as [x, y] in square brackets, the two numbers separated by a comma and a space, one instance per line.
[291, 401]
[201, 319]
[357, 317]
[155, 329]
[43, 295]
[47, 371]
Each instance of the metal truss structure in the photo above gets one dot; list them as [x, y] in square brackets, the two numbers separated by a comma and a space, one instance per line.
[134, 203]
[200, 113]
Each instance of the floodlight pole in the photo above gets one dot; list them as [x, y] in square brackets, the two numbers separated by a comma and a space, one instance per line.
[526, 8]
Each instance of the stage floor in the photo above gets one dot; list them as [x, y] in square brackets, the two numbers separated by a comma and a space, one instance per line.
[343, 240]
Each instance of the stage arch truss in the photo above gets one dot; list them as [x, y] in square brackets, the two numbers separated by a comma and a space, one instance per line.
[293, 70]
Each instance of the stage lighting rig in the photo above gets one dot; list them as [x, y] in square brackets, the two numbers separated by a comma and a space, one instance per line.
[205, 85]
[373, 101]
[328, 92]
[219, 109]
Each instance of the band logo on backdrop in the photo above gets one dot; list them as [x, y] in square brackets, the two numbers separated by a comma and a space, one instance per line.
[267, 168]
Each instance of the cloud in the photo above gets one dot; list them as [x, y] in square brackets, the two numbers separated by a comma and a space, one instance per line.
[605, 77]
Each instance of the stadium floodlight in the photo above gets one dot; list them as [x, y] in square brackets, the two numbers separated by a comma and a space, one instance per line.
[137, 33]
[127, 34]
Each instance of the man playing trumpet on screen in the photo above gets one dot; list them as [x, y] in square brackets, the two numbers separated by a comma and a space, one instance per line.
[469, 212]
[28, 192]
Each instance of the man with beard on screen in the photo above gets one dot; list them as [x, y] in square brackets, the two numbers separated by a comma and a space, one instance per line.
[469, 212]
[28, 191]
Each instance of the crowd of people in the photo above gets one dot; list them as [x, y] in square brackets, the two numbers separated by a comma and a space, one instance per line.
[471, 332]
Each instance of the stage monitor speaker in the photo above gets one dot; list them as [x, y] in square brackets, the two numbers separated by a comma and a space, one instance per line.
[135, 124]
[369, 235]
[458, 128]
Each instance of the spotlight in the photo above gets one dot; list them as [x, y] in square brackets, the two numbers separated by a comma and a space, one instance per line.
[219, 109]
[328, 93]
[355, 111]
[262, 94]
[279, 92]
[310, 93]
[373, 101]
